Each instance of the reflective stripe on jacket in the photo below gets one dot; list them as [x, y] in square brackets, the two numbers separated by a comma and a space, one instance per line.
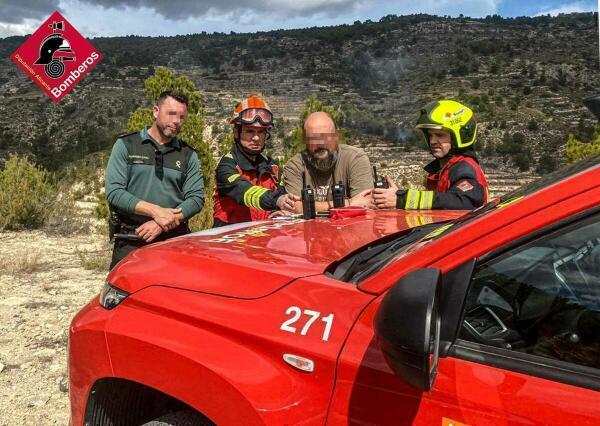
[245, 191]
[459, 185]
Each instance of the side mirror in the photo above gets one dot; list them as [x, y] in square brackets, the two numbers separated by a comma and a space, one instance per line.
[407, 327]
[593, 104]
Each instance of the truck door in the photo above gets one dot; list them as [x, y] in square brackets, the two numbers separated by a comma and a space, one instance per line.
[527, 349]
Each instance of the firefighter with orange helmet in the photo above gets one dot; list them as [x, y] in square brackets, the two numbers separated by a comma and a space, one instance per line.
[248, 182]
[454, 179]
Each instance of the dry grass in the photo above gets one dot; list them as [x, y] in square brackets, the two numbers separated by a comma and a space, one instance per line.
[23, 262]
[64, 218]
[95, 260]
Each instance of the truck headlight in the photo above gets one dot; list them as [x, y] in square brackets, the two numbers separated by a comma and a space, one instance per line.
[111, 296]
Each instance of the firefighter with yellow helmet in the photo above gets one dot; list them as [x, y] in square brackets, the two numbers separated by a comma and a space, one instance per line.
[248, 182]
[455, 179]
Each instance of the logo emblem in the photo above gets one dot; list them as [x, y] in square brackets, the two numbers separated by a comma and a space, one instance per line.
[56, 57]
[465, 186]
[178, 164]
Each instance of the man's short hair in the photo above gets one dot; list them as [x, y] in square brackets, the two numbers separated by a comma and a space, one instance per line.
[178, 96]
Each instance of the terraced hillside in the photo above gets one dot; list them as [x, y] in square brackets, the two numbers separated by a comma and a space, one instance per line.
[524, 77]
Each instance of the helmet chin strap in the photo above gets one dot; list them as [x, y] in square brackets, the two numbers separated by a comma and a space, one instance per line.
[249, 151]
[237, 139]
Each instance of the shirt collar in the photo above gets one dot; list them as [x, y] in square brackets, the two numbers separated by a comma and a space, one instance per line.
[174, 143]
[433, 167]
[244, 162]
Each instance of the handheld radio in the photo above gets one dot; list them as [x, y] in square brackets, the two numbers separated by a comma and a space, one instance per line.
[379, 183]
[339, 192]
[309, 210]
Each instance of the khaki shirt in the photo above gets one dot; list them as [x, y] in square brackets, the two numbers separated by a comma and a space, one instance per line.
[352, 168]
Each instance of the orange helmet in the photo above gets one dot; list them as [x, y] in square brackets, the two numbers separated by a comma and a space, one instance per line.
[253, 110]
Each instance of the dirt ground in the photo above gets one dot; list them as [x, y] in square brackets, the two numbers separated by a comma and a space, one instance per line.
[44, 280]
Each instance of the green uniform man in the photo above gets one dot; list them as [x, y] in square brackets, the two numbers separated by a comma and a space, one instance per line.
[153, 181]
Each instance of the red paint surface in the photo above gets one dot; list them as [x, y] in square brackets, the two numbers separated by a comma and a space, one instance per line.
[203, 324]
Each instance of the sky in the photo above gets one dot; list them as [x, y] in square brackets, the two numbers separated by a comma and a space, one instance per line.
[107, 18]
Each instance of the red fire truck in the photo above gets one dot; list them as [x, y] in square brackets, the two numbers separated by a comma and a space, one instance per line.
[426, 318]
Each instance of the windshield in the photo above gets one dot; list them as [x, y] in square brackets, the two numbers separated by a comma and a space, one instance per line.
[359, 265]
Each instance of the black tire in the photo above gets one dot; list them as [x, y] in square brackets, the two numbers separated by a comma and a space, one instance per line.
[181, 418]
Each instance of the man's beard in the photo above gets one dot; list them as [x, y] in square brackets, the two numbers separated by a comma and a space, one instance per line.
[165, 132]
[321, 165]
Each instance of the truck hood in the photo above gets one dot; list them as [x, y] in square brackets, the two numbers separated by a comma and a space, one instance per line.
[253, 259]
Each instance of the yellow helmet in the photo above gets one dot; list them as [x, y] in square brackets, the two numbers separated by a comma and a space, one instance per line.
[453, 116]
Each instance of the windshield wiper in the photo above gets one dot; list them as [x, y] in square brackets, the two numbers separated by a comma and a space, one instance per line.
[373, 257]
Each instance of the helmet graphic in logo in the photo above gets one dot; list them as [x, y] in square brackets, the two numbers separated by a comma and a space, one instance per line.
[54, 51]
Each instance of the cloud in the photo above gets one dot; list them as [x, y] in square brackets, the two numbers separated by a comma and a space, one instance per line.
[184, 9]
[171, 17]
[16, 12]
[27, 27]
[578, 6]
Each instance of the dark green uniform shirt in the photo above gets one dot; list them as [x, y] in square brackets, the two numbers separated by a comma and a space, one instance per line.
[131, 177]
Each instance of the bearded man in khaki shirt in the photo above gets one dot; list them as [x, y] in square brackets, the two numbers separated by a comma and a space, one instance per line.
[325, 162]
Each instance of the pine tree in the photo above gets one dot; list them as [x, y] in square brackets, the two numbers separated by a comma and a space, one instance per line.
[191, 132]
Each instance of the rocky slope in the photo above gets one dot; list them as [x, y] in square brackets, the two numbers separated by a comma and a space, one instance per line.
[518, 75]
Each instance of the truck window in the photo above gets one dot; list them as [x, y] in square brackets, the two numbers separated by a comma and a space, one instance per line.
[542, 298]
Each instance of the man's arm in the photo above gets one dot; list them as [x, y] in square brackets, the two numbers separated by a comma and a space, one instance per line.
[116, 180]
[362, 199]
[465, 193]
[167, 218]
[231, 184]
[360, 175]
[292, 176]
[320, 206]
[193, 189]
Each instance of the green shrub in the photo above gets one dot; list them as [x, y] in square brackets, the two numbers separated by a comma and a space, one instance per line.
[547, 163]
[533, 125]
[96, 260]
[25, 194]
[577, 150]
[522, 161]
[101, 209]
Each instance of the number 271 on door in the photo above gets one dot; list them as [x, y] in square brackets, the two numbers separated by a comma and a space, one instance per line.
[296, 313]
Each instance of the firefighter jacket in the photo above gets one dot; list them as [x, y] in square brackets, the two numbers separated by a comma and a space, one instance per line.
[246, 191]
[458, 185]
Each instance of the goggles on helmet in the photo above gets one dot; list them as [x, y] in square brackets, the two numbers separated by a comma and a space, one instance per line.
[253, 115]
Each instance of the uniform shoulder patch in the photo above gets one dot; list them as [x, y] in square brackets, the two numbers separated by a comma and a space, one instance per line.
[464, 185]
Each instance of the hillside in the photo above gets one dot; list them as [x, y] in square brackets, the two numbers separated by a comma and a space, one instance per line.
[524, 77]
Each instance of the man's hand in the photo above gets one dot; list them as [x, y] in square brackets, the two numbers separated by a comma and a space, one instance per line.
[167, 218]
[363, 199]
[149, 231]
[287, 202]
[280, 213]
[385, 198]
